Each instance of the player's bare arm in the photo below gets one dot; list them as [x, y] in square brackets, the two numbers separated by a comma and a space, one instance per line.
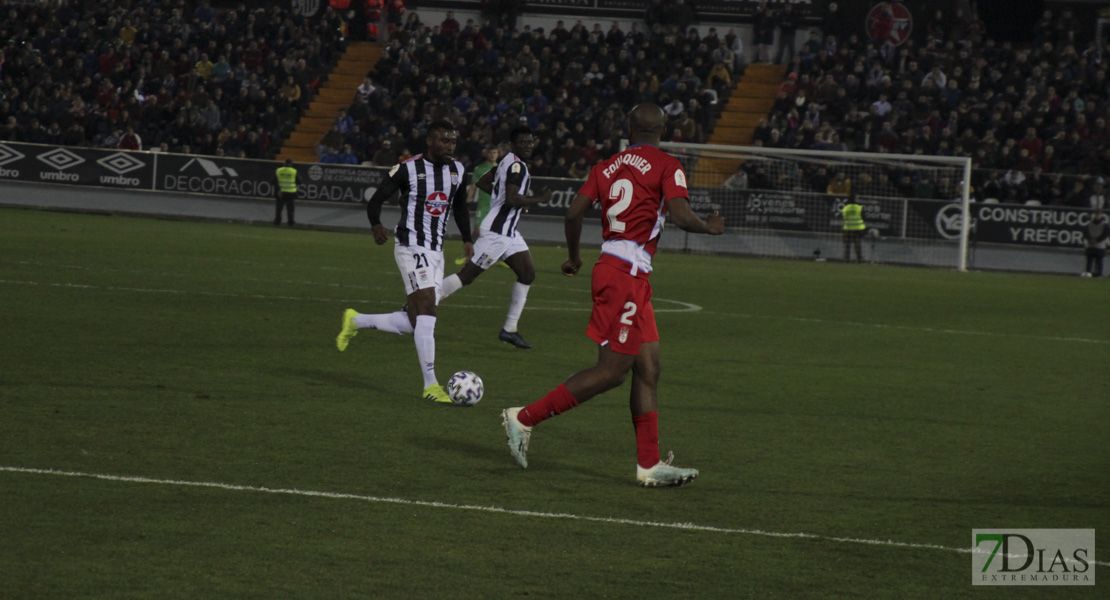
[680, 213]
[515, 198]
[573, 227]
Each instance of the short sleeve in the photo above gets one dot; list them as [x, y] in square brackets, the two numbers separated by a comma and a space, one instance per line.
[400, 176]
[590, 189]
[674, 181]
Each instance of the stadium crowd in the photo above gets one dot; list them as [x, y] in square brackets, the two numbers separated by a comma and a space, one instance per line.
[1032, 117]
[181, 76]
[165, 75]
[572, 85]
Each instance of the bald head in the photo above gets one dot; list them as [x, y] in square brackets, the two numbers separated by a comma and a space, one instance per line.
[646, 123]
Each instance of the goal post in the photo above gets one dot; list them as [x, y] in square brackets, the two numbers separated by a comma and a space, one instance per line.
[787, 203]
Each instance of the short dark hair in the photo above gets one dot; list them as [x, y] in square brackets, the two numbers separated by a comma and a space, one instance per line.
[441, 125]
[518, 132]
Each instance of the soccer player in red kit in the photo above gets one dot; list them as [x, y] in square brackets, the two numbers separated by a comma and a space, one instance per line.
[638, 189]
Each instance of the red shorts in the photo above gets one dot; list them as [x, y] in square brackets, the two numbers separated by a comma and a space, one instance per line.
[622, 317]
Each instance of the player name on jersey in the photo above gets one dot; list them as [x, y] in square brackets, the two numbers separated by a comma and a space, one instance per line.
[635, 161]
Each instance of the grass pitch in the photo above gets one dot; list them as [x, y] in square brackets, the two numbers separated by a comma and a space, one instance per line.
[175, 422]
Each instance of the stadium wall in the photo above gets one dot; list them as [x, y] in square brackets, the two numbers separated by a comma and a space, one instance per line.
[797, 225]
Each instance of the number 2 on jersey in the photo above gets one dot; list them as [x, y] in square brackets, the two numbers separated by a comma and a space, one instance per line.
[621, 193]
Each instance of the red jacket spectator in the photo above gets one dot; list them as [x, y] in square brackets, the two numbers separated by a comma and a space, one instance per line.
[449, 26]
[130, 140]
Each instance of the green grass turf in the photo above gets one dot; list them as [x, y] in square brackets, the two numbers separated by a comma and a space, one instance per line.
[842, 401]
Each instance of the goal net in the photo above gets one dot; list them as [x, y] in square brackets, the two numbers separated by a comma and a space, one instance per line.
[787, 203]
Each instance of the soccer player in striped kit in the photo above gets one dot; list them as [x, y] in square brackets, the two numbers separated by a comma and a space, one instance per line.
[498, 239]
[432, 185]
[638, 189]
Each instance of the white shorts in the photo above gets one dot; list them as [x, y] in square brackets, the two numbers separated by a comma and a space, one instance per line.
[492, 247]
[420, 268]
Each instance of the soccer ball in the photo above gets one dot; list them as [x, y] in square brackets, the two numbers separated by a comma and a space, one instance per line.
[465, 388]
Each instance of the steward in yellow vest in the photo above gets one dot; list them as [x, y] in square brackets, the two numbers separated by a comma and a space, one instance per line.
[853, 229]
[287, 180]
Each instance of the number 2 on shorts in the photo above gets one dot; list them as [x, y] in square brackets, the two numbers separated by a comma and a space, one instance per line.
[629, 312]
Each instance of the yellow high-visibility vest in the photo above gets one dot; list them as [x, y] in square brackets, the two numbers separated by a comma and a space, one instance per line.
[287, 179]
[853, 217]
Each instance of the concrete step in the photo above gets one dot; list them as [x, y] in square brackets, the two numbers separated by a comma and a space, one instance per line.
[754, 89]
[742, 105]
[764, 73]
[325, 107]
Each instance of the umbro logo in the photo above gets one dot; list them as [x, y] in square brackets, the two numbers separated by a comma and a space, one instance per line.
[120, 163]
[61, 159]
[421, 176]
[8, 154]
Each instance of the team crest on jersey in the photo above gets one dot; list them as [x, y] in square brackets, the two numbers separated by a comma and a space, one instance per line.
[680, 178]
[454, 179]
[624, 335]
[436, 204]
[423, 276]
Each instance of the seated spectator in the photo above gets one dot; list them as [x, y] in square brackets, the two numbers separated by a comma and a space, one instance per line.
[386, 156]
[130, 140]
[329, 156]
[840, 185]
[347, 156]
[738, 180]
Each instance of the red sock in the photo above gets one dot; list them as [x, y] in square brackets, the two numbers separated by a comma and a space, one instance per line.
[556, 402]
[647, 438]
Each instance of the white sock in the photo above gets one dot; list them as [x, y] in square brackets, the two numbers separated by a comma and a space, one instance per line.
[397, 322]
[450, 285]
[425, 339]
[516, 306]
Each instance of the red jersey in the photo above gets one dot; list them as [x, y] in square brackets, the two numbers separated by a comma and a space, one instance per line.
[633, 187]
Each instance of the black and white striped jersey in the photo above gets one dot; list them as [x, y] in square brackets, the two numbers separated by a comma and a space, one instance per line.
[428, 193]
[512, 173]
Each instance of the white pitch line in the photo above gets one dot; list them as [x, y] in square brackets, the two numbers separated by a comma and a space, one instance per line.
[683, 306]
[1028, 336]
[488, 509]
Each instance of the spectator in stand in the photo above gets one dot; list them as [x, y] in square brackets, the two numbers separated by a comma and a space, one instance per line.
[579, 170]
[343, 122]
[130, 140]
[449, 26]
[329, 156]
[765, 24]
[738, 180]
[840, 185]
[788, 26]
[832, 23]
[386, 155]
[656, 13]
[347, 156]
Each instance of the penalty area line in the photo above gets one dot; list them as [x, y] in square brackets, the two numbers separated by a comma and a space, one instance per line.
[486, 509]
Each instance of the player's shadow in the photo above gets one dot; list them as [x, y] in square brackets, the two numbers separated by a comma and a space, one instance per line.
[363, 384]
[496, 455]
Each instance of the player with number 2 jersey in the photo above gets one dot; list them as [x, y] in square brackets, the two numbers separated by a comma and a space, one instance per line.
[632, 187]
[638, 190]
